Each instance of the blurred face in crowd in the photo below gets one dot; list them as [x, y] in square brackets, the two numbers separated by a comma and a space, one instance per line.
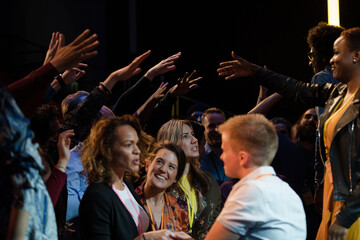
[211, 123]
[162, 171]
[306, 130]
[125, 150]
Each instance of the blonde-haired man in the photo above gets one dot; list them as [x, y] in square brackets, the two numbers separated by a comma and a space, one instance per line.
[260, 205]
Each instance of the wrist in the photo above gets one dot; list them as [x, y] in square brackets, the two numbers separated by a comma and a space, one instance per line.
[149, 76]
[60, 80]
[60, 167]
[55, 85]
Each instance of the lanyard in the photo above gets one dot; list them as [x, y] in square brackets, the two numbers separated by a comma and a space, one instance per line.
[139, 222]
[190, 203]
[153, 222]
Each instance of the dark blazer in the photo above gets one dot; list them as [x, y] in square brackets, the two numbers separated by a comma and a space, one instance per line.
[104, 216]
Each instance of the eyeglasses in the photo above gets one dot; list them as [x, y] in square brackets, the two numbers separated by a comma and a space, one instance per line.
[310, 55]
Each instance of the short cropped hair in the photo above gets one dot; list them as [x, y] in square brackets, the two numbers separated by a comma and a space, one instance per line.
[210, 111]
[352, 37]
[254, 134]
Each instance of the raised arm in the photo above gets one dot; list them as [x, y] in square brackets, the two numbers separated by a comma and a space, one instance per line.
[144, 88]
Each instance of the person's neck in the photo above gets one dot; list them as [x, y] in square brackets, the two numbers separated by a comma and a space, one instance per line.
[187, 168]
[118, 179]
[353, 86]
[247, 171]
[153, 195]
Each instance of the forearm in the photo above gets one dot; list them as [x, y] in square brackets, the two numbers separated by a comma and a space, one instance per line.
[136, 95]
[267, 104]
[55, 183]
[300, 92]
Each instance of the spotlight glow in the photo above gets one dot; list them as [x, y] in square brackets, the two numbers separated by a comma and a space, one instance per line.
[333, 12]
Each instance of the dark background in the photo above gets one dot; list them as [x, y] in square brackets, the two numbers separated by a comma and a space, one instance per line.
[265, 32]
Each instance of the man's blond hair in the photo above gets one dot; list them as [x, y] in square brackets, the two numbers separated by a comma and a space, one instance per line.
[254, 134]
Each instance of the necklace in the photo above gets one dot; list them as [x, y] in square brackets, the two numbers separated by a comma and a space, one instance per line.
[139, 221]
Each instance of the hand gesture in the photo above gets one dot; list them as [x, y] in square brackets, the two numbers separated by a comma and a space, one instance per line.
[236, 68]
[53, 46]
[63, 148]
[163, 67]
[336, 231]
[127, 72]
[185, 84]
[74, 74]
[132, 69]
[77, 51]
[160, 92]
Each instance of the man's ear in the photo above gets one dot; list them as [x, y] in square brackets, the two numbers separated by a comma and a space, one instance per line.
[243, 157]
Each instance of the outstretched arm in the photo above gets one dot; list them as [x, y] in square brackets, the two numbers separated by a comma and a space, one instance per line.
[236, 68]
[143, 89]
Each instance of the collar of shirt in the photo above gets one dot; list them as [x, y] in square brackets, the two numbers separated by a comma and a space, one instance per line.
[257, 173]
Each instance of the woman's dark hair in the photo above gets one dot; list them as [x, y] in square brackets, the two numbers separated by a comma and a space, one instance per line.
[96, 153]
[177, 150]
[322, 38]
[352, 37]
[172, 131]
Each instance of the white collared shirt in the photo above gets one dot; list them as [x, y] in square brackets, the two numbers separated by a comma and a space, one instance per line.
[262, 206]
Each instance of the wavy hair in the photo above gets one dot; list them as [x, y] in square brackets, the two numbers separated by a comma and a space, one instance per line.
[172, 131]
[96, 153]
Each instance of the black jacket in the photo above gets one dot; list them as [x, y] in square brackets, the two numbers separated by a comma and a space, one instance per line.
[104, 216]
[345, 147]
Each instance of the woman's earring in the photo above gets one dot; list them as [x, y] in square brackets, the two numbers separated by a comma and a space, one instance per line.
[354, 60]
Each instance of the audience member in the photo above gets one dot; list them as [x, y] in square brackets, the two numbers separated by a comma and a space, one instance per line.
[210, 160]
[111, 150]
[197, 191]
[261, 205]
[164, 168]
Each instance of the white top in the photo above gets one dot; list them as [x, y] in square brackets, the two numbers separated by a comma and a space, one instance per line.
[138, 213]
[262, 206]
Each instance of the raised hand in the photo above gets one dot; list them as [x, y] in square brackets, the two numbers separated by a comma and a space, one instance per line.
[53, 46]
[74, 74]
[127, 72]
[163, 67]
[160, 92]
[63, 148]
[185, 84]
[236, 68]
[79, 50]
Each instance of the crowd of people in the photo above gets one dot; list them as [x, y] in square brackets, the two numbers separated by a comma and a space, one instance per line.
[130, 171]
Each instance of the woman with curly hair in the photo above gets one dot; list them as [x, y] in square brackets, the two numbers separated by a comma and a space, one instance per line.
[110, 208]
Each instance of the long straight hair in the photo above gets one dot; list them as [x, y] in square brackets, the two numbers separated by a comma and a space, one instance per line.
[172, 131]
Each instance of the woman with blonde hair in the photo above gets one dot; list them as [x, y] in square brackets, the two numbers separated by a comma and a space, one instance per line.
[197, 191]
[110, 208]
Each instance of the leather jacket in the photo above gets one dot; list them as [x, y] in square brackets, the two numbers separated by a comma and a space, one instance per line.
[345, 147]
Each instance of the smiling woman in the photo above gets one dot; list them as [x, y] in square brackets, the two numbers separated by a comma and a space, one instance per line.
[164, 167]
[197, 191]
[110, 208]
